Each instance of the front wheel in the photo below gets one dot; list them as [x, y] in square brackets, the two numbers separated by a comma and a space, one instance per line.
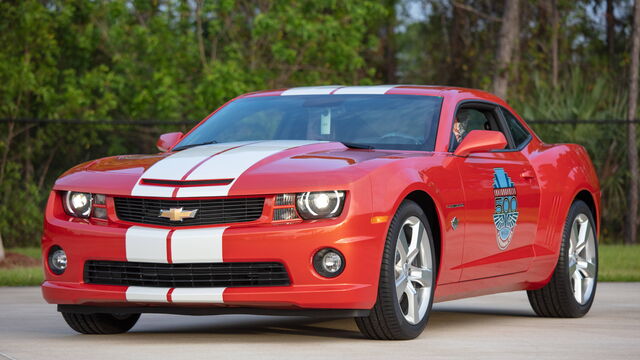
[100, 323]
[572, 288]
[407, 279]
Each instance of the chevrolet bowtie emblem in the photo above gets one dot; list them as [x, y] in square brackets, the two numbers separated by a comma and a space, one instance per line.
[178, 214]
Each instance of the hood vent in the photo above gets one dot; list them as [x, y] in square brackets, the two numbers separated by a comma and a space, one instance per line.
[181, 183]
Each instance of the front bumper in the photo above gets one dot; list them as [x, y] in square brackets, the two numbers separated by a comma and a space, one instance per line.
[290, 244]
[324, 296]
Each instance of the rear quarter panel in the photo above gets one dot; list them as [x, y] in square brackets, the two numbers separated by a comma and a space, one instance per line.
[563, 171]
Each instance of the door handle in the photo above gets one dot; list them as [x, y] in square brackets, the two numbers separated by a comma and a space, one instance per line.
[527, 174]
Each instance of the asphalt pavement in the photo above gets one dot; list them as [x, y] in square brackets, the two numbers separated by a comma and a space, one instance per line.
[501, 326]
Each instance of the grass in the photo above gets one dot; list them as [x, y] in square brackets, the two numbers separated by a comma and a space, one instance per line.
[21, 276]
[617, 263]
[33, 252]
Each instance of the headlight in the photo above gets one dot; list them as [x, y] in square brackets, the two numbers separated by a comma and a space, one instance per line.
[320, 204]
[78, 204]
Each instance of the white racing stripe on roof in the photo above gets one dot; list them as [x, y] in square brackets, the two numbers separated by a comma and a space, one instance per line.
[364, 90]
[231, 164]
[310, 90]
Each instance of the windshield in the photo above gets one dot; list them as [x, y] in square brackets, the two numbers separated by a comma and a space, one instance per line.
[402, 122]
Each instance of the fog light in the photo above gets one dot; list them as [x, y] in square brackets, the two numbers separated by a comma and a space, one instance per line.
[57, 260]
[328, 262]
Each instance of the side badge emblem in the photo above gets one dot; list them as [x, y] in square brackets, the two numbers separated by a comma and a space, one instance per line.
[506, 207]
[454, 223]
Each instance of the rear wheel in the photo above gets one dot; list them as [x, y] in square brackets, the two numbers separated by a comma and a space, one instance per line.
[407, 279]
[572, 288]
[100, 323]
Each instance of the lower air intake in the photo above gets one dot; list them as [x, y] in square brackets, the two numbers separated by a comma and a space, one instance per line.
[236, 274]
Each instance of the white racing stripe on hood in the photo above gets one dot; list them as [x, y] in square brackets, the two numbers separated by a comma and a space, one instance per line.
[175, 166]
[231, 164]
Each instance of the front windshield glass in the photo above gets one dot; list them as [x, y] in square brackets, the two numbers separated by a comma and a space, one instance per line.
[402, 122]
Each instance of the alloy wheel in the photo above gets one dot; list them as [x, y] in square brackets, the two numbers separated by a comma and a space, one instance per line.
[413, 270]
[582, 259]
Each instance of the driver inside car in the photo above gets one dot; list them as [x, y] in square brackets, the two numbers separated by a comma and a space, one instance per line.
[460, 127]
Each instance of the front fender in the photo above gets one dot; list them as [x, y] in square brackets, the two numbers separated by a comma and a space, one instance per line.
[425, 177]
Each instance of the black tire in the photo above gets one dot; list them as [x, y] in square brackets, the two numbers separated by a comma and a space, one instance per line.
[556, 299]
[100, 323]
[386, 320]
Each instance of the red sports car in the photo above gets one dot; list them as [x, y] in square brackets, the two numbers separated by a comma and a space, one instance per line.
[369, 202]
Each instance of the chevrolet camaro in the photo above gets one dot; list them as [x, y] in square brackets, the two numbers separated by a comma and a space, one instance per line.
[371, 202]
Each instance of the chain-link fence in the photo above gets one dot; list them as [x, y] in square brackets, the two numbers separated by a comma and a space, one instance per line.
[34, 152]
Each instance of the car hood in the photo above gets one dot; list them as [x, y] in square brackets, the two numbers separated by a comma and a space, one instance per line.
[229, 169]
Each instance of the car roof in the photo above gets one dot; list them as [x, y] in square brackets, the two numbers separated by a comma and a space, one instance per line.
[428, 90]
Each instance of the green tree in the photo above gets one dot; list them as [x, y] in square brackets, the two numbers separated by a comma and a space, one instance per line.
[162, 59]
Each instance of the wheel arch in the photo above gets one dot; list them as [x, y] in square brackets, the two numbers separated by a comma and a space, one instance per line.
[588, 198]
[428, 205]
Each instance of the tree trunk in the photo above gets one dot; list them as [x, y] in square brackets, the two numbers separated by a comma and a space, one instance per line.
[1, 249]
[555, 28]
[199, 33]
[632, 145]
[506, 42]
[610, 32]
[456, 73]
[5, 152]
[389, 45]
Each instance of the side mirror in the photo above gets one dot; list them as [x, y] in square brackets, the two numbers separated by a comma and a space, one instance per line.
[481, 141]
[168, 140]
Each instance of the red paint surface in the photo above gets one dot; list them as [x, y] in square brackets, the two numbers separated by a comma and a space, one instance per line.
[376, 182]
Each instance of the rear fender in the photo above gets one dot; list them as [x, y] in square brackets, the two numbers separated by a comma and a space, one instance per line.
[563, 171]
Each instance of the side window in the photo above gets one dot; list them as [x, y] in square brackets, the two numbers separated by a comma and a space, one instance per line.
[518, 132]
[472, 118]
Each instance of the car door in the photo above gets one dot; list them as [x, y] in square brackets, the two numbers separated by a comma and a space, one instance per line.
[501, 201]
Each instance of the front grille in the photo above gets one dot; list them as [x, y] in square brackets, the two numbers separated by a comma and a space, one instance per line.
[237, 274]
[210, 211]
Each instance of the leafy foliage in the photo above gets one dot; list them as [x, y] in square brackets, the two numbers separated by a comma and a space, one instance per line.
[169, 59]
[100, 61]
[585, 99]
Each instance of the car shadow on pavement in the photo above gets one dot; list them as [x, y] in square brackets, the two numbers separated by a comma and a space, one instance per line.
[443, 318]
[238, 328]
[269, 329]
[485, 311]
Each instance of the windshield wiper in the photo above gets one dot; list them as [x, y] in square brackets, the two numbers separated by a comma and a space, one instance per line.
[351, 145]
[194, 145]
